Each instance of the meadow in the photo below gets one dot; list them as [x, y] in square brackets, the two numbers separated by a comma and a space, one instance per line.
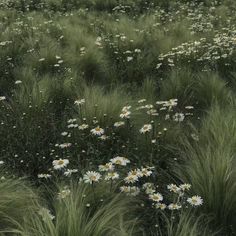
[117, 118]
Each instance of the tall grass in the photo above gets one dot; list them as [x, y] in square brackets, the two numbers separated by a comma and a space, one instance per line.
[83, 213]
[209, 166]
[17, 200]
[187, 225]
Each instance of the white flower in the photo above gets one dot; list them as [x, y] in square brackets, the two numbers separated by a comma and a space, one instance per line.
[125, 114]
[146, 172]
[112, 176]
[148, 106]
[44, 176]
[68, 172]
[64, 133]
[171, 103]
[161, 206]
[71, 121]
[83, 127]
[59, 164]
[97, 131]
[148, 185]
[126, 108]
[142, 100]
[2, 98]
[174, 206]
[65, 145]
[150, 191]
[119, 123]
[72, 126]
[104, 137]
[173, 188]
[189, 107]
[156, 197]
[195, 201]
[184, 187]
[123, 161]
[131, 179]
[146, 128]
[1, 162]
[107, 167]
[98, 41]
[129, 59]
[178, 117]
[79, 101]
[18, 82]
[91, 177]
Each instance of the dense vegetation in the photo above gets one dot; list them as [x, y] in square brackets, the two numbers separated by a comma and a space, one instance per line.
[117, 117]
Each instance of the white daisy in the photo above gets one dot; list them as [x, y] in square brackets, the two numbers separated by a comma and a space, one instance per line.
[195, 201]
[161, 206]
[146, 172]
[91, 177]
[185, 187]
[18, 82]
[174, 206]
[64, 133]
[146, 128]
[83, 127]
[131, 179]
[79, 101]
[123, 161]
[69, 172]
[97, 131]
[107, 167]
[59, 164]
[141, 100]
[173, 188]
[112, 176]
[44, 176]
[65, 145]
[119, 123]
[125, 114]
[156, 197]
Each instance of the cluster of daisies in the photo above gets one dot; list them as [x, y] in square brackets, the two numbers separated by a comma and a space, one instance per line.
[149, 109]
[164, 109]
[148, 188]
[134, 183]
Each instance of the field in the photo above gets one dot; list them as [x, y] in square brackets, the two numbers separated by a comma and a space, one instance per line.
[117, 118]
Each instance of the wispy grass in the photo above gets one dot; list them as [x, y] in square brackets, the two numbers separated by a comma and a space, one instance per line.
[188, 225]
[209, 166]
[17, 200]
[78, 214]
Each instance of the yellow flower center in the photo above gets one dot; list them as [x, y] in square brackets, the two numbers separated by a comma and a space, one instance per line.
[60, 162]
[93, 178]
